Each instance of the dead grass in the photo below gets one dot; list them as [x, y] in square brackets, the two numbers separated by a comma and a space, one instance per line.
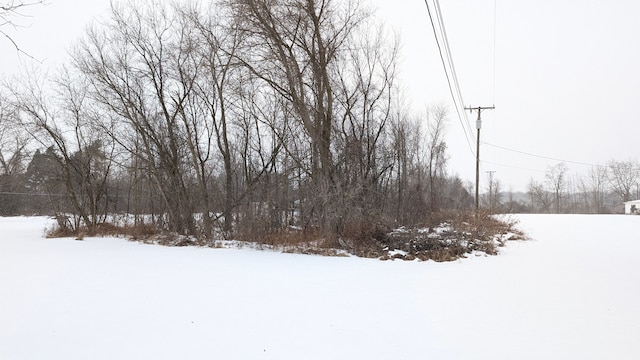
[294, 241]
[134, 232]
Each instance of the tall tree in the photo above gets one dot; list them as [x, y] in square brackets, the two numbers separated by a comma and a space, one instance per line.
[541, 200]
[436, 155]
[143, 74]
[595, 186]
[556, 180]
[56, 115]
[623, 177]
[293, 46]
[13, 154]
[364, 96]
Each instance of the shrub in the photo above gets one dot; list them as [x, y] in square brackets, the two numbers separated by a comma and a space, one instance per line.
[444, 236]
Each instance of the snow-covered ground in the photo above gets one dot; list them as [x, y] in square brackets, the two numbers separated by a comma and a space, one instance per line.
[571, 293]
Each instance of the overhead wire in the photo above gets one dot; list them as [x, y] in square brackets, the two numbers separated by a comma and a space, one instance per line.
[495, 22]
[451, 63]
[542, 156]
[514, 150]
[444, 52]
[446, 57]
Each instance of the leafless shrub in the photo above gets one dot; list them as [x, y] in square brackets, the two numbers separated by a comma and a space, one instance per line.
[364, 239]
[445, 236]
[141, 231]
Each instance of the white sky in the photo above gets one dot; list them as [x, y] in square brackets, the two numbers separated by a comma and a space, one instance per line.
[566, 83]
[566, 80]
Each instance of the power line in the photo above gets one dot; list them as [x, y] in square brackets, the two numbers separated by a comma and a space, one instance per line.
[494, 47]
[444, 51]
[542, 156]
[454, 76]
[449, 57]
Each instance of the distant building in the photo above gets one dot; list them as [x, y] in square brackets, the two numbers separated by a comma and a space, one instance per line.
[632, 207]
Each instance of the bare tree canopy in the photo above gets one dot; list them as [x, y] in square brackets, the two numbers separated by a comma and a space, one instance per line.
[242, 118]
[557, 181]
[624, 176]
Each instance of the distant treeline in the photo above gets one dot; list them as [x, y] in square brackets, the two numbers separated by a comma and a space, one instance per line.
[602, 190]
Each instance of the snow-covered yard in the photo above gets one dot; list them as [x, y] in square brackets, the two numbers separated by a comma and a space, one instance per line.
[571, 293]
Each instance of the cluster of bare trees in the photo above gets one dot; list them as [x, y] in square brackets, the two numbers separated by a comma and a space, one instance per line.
[602, 189]
[239, 116]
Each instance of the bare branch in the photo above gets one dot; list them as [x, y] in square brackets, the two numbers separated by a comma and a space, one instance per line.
[9, 12]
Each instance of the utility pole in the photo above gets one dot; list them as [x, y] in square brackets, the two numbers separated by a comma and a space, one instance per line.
[478, 126]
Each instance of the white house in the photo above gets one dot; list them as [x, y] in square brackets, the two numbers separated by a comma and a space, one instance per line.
[632, 207]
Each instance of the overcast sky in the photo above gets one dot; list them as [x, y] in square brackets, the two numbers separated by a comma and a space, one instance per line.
[566, 80]
[566, 83]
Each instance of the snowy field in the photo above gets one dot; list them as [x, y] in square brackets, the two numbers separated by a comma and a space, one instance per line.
[571, 293]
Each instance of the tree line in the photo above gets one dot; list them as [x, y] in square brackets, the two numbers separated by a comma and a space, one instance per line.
[232, 118]
[601, 190]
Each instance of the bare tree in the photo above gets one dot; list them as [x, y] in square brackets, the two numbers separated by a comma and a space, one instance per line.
[56, 116]
[401, 144]
[408, 145]
[436, 155]
[214, 91]
[13, 140]
[556, 180]
[494, 192]
[364, 95]
[595, 187]
[232, 115]
[13, 154]
[623, 177]
[541, 200]
[293, 46]
[143, 75]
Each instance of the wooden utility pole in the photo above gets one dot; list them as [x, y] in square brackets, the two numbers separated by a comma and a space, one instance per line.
[478, 126]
